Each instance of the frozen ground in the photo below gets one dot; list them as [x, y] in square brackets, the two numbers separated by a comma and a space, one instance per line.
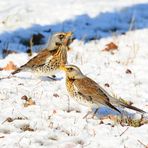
[55, 120]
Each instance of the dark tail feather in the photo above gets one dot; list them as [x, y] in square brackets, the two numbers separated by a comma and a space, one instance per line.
[113, 107]
[16, 71]
[117, 102]
[132, 107]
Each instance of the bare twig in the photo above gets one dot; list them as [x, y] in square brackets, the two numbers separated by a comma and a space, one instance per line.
[145, 146]
[132, 54]
[31, 44]
[8, 77]
[29, 51]
[124, 131]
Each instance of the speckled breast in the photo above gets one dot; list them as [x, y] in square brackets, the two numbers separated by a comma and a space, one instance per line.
[86, 101]
[53, 64]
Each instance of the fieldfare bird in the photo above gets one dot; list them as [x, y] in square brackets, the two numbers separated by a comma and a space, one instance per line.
[48, 60]
[88, 92]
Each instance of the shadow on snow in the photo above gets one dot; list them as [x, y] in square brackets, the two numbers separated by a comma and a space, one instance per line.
[83, 26]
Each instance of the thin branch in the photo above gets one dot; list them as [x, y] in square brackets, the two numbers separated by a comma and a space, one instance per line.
[124, 131]
[142, 143]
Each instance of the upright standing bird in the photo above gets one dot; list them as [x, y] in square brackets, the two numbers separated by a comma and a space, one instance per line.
[47, 61]
[88, 92]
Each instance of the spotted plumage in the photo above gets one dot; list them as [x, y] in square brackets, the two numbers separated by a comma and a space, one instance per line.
[88, 92]
[48, 61]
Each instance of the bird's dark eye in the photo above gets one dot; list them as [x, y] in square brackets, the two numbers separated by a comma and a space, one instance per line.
[58, 44]
[70, 69]
[61, 36]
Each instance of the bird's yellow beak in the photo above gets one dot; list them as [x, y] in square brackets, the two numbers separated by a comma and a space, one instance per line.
[69, 34]
[67, 38]
[63, 68]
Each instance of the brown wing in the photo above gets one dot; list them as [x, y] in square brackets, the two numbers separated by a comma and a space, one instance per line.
[39, 59]
[90, 88]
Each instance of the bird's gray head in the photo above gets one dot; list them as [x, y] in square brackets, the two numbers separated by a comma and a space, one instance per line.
[72, 71]
[58, 39]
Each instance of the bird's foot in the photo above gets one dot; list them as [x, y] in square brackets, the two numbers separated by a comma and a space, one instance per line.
[91, 112]
[88, 113]
[8, 77]
[94, 113]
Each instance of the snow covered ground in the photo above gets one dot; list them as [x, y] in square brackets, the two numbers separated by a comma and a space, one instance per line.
[55, 120]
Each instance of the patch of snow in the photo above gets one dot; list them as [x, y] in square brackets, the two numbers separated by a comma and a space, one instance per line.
[56, 119]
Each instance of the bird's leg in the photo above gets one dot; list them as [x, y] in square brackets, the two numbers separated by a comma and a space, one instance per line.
[89, 112]
[38, 82]
[122, 121]
[94, 113]
[8, 77]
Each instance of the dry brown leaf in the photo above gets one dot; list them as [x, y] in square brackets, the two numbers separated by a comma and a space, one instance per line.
[128, 71]
[101, 122]
[29, 102]
[110, 47]
[9, 66]
[54, 111]
[9, 119]
[56, 95]
[126, 121]
[107, 85]
[27, 128]
[24, 98]
[2, 136]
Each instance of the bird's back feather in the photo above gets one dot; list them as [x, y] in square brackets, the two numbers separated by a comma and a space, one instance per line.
[88, 87]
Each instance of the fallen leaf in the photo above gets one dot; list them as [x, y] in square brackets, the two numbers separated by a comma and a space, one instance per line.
[24, 98]
[2, 136]
[107, 85]
[54, 111]
[128, 71]
[55, 95]
[9, 66]
[29, 102]
[27, 128]
[101, 122]
[110, 47]
[9, 119]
